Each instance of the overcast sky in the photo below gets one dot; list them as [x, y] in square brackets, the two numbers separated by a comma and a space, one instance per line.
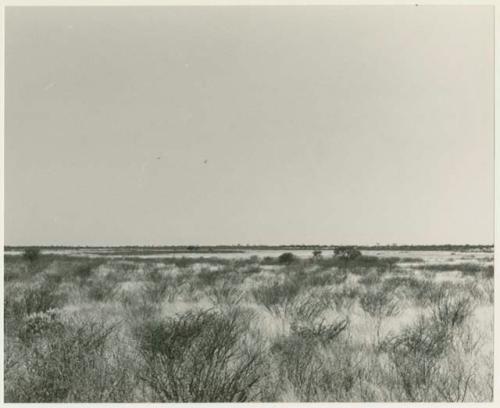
[263, 125]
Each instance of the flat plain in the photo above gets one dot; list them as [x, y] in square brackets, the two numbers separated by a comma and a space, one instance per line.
[300, 326]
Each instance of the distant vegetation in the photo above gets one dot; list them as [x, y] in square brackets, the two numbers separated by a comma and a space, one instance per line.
[151, 249]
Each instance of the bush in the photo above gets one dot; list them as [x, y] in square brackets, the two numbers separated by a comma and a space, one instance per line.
[287, 258]
[208, 277]
[101, 291]
[415, 356]
[83, 272]
[197, 357]
[369, 279]
[158, 287]
[489, 272]
[277, 297]
[317, 253]
[35, 298]
[313, 372]
[37, 325]
[347, 253]
[308, 307]
[451, 312]
[379, 304]
[421, 291]
[68, 364]
[31, 254]
[225, 294]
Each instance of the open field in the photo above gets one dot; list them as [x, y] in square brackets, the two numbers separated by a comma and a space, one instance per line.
[382, 326]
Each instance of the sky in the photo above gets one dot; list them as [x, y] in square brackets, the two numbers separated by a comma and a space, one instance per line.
[249, 125]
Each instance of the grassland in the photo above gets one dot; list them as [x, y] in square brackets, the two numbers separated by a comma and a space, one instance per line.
[262, 329]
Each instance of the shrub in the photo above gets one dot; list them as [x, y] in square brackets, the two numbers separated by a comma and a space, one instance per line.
[370, 279]
[35, 298]
[348, 253]
[83, 272]
[225, 294]
[298, 364]
[69, 364]
[345, 297]
[379, 304]
[269, 260]
[309, 307]
[451, 312]
[101, 290]
[158, 287]
[317, 254]
[421, 291]
[208, 277]
[37, 325]
[31, 254]
[287, 258]
[489, 272]
[314, 372]
[277, 297]
[415, 356]
[322, 279]
[197, 357]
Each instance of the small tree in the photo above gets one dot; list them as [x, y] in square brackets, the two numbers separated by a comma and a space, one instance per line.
[317, 254]
[348, 253]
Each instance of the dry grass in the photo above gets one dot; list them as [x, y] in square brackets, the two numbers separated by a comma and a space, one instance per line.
[277, 329]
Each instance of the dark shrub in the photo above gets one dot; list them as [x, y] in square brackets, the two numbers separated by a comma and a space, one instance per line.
[450, 311]
[158, 287]
[309, 307]
[415, 356]
[489, 271]
[68, 364]
[347, 253]
[31, 254]
[317, 254]
[101, 290]
[197, 357]
[208, 277]
[83, 272]
[286, 258]
[312, 375]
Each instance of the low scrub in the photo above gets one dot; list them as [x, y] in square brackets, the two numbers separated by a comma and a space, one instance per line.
[415, 355]
[198, 357]
[68, 363]
[466, 268]
[277, 297]
[452, 311]
[312, 372]
[34, 298]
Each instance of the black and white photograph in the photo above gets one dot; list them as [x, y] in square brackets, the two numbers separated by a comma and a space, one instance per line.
[248, 203]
